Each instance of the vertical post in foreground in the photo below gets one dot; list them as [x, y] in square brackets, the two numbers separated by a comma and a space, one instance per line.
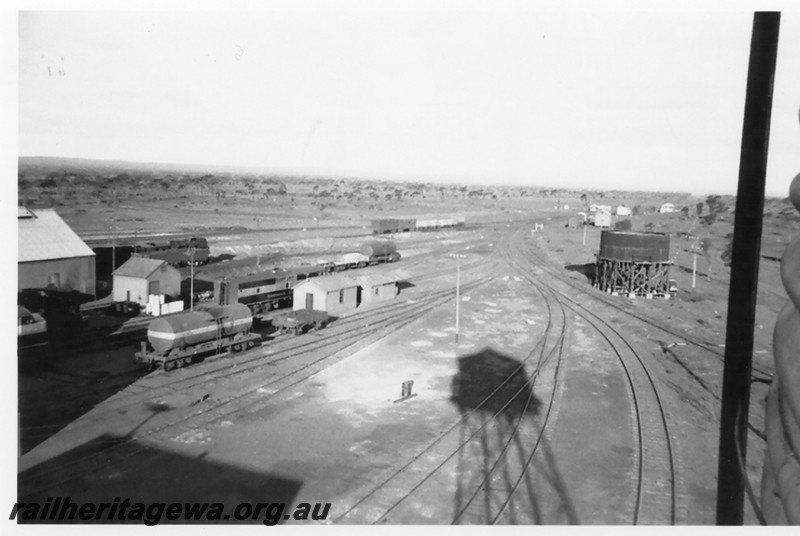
[744, 269]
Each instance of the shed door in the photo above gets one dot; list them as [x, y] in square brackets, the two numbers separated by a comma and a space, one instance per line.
[309, 301]
[153, 287]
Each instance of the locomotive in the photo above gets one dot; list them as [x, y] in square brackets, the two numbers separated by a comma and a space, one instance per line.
[187, 337]
[272, 289]
[176, 252]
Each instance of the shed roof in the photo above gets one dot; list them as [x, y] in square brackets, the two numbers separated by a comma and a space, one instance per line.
[139, 267]
[43, 235]
[373, 280]
[330, 283]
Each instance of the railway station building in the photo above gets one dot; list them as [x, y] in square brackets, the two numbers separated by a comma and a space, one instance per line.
[140, 277]
[51, 255]
[334, 294]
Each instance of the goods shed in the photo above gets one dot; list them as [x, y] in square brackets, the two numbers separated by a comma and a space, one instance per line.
[334, 294]
[378, 287]
[51, 255]
[139, 278]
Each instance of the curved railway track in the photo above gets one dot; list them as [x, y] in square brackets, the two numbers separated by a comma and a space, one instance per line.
[655, 486]
[244, 400]
[624, 307]
[654, 466]
[508, 412]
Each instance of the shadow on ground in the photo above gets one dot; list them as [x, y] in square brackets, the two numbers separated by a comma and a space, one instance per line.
[506, 472]
[588, 270]
[112, 469]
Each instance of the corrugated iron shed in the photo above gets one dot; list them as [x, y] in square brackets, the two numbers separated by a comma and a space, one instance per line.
[43, 235]
[141, 267]
[330, 283]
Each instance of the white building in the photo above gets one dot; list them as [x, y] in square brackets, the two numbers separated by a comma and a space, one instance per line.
[602, 219]
[623, 211]
[334, 294]
[378, 287]
[666, 208]
[51, 255]
[600, 208]
[139, 278]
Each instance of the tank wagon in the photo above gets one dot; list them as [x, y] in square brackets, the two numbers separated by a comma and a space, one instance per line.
[380, 251]
[633, 263]
[176, 252]
[393, 225]
[183, 338]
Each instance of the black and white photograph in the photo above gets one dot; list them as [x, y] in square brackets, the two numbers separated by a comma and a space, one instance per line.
[399, 263]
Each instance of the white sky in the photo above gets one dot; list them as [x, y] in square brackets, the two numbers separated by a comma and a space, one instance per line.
[611, 99]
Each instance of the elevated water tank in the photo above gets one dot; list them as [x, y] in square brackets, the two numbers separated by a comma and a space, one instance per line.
[634, 247]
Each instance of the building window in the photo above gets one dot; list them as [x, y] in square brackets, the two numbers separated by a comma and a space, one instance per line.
[377, 291]
[341, 296]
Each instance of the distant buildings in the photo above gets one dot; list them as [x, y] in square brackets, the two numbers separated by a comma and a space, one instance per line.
[623, 211]
[602, 219]
[51, 255]
[666, 208]
[600, 208]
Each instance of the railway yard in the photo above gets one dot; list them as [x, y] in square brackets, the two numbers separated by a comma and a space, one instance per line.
[536, 397]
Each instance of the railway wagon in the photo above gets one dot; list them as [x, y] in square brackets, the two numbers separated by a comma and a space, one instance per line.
[348, 261]
[300, 321]
[180, 339]
[439, 223]
[31, 329]
[179, 252]
[379, 251]
[393, 225]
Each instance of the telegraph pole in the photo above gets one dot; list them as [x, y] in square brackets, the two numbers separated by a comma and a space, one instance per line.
[113, 244]
[191, 278]
[458, 257]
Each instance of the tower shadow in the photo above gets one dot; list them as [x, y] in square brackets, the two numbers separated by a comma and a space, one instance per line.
[505, 470]
[141, 476]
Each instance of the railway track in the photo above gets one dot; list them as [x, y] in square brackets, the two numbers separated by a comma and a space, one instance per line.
[107, 387]
[655, 481]
[764, 375]
[507, 414]
[623, 306]
[306, 363]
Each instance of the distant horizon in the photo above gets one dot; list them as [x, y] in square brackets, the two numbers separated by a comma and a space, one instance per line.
[344, 174]
[628, 101]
